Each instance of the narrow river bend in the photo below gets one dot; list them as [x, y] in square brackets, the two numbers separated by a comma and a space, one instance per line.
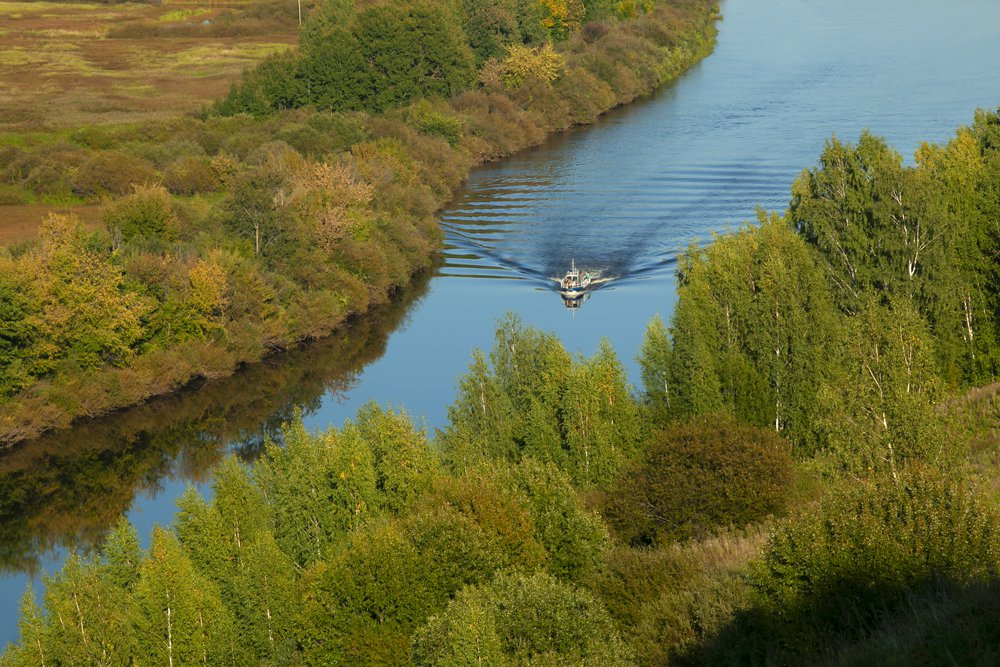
[622, 197]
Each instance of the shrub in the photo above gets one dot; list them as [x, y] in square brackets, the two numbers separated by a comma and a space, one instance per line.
[12, 195]
[839, 571]
[700, 475]
[191, 175]
[111, 173]
[147, 212]
[521, 619]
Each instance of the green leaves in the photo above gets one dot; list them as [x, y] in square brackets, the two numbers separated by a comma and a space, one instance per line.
[835, 572]
[749, 333]
[698, 476]
[522, 619]
[533, 399]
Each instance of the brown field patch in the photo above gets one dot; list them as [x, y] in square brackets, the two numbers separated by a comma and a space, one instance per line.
[20, 223]
[61, 65]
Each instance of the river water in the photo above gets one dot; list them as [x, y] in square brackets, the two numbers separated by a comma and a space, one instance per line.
[622, 198]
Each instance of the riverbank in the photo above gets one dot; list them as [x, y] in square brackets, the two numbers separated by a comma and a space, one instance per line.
[223, 305]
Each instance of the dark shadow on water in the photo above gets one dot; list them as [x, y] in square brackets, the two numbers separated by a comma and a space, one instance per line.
[68, 489]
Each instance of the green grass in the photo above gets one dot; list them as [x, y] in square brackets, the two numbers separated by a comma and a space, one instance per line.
[184, 14]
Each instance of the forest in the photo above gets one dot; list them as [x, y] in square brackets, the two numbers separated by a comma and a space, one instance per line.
[301, 199]
[807, 474]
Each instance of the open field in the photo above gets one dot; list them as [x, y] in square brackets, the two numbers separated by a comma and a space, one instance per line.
[72, 64]
[64, 66]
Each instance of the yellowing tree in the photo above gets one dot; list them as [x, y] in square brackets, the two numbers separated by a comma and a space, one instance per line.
[329, 202]
[562, 17]
[523, 63]
[82, 310]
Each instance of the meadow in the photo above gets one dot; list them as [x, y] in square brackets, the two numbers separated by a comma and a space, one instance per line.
[65, 65]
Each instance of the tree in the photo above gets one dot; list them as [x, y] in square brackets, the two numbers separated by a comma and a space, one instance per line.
[700, 475]
[82, 310]
[316, 487]
[751, 332]
[18, 336]
[147, 212]
[522, 619]
[411, 50]
[878, 409]
[265, 600]
[254, 206]
[179, 616]
[533, 399]
[655, 363]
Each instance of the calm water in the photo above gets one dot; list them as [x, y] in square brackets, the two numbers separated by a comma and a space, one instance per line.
[622, 197]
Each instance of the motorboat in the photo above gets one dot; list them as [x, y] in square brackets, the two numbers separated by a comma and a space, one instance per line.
[575, 283]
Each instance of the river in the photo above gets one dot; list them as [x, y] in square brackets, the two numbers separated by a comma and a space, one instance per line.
[623, 197]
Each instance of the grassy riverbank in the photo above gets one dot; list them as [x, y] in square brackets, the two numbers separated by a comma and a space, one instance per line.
[228, 237]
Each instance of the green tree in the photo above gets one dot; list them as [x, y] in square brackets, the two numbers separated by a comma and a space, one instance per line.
[179, 615]
[18, 336]
[146, 212]
[265, 600]
[700, 475]
[404, 463]
[533, 399]
[31, 650]
[522, 619]
[751, 334]
[877, 410]
[574, 538]
[386, 579]
[317, 487]
[655, 365]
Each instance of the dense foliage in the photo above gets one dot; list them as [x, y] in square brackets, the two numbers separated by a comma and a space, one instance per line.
[839, 334]
[832, 576]
[698, 476]
[832, 324]
[229, 237]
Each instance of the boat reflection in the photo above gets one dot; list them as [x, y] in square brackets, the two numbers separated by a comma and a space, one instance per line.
[574, 302]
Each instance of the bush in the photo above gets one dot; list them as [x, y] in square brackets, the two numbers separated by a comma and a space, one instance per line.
[521, 619]
[147, 212]
[191, 175]
[111, 173]
[834, 574]
[698, 476]
[12, 195]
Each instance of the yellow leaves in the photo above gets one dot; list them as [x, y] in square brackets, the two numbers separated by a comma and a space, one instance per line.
[959, 163]
[522, 64]
[208, 287]
[83, 310]
[329, 202]
[562, 17]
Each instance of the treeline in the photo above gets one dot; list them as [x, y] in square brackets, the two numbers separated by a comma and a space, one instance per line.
[842, 324]
[228, 237]
[789, 487]
[373, 544]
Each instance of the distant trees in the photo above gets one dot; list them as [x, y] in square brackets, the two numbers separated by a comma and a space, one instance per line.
[292, 206]
[375, 58]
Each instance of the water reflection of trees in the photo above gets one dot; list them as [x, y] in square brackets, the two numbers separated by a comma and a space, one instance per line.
[70, 487]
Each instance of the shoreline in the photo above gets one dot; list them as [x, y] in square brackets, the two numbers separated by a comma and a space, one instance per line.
[58, 403]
